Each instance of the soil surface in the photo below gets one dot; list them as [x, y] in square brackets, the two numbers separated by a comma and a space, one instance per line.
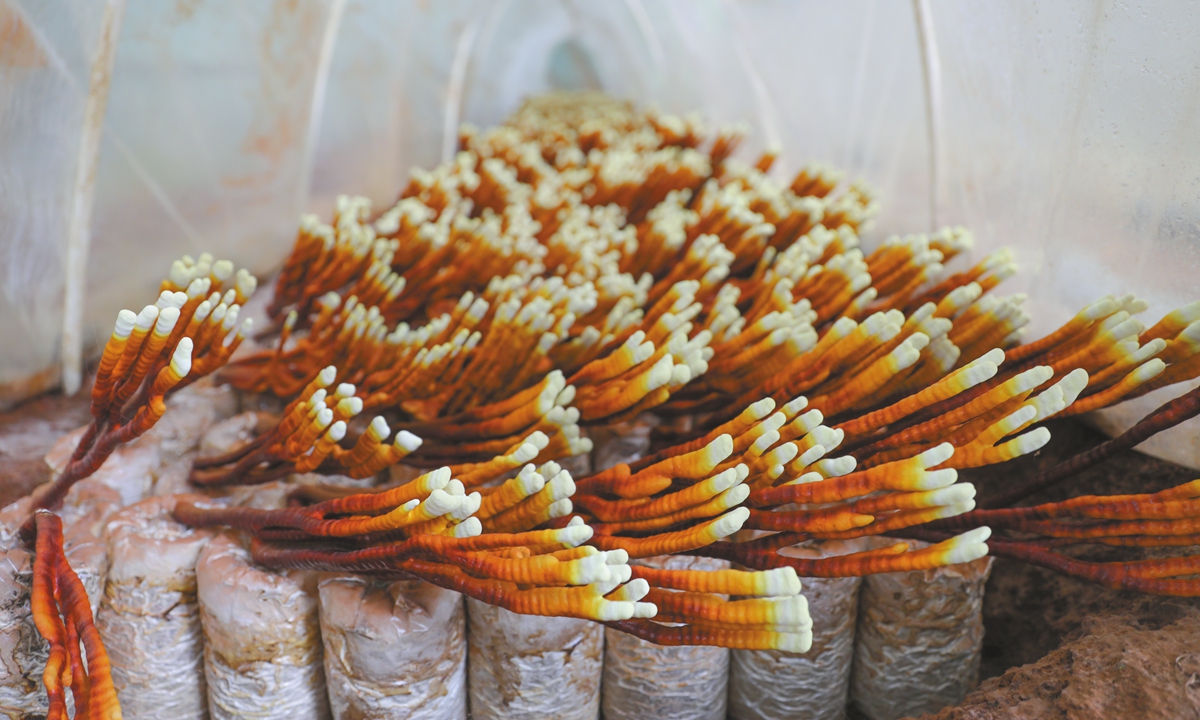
[1058, 647]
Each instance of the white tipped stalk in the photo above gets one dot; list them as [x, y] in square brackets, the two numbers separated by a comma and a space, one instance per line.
[772, 423]
[559, 508]
[408, 442]
[326, 377]
[439, 478]
[344, 390]
[576, 534]
[525, 453]
[455, 487]
[561, 486]
[782, 455]
[471, 527]
[836, 467]
[468, 507]
[350, 406]
[181, 359]
[616, 557]
[180, 273]
[1029, 442]
[336, 431]
[969, 546]
[936, 455]
[730, 522]
[1102, 308]
[125, 322]
[760, 409]
[956, 493]
[1032, 378]
[826, 436]
[379, 427]
[734, 496]
[1148, 371]
[793, 408]
[764, 441]
[811, 455]
[440, 503]
[719, 449]
[974, 374]
[781, 582]
[935, 479]
[222, 270]
[198, 288]
[146, 318]
[203, 310]
[245, 283]
[808, 477]
[807, 422]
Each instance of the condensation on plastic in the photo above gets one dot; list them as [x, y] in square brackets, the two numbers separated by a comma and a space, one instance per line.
[262, 639]
[1066, 129]
[149, 620]
[45, 60]
[393, 649]
[23, 652]
[528, 667]
[644, 680]
[769, 684]
[919, 639]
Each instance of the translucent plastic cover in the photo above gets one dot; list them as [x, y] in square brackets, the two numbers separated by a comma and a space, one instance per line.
[1060, 129]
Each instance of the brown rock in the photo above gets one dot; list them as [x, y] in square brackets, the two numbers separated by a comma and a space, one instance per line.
[1144, 663]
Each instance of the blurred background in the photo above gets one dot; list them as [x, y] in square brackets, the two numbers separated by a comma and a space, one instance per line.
[132, 131]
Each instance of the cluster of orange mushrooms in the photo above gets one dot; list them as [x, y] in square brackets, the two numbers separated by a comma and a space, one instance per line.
[589, 265]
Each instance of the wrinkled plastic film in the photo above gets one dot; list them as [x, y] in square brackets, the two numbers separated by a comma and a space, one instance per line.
[528, 667]
[262, 640]
[920, 636]
[644, 680]
[150, 620]
[769, 684]
[393, 649]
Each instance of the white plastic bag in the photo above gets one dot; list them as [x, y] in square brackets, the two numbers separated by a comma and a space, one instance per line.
[644, 680]
[393, 649]
[527, 667]
[262, 640]
[769, 684]
[149, 620]
[920, 635]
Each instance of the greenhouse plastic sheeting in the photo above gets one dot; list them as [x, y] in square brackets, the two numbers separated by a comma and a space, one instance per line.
[1063, 129]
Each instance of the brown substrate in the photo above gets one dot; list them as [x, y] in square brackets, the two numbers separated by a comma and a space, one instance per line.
[1058, 647]
[28, 431]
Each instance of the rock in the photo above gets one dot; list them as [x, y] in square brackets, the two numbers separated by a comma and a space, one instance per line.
[1143, 663]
